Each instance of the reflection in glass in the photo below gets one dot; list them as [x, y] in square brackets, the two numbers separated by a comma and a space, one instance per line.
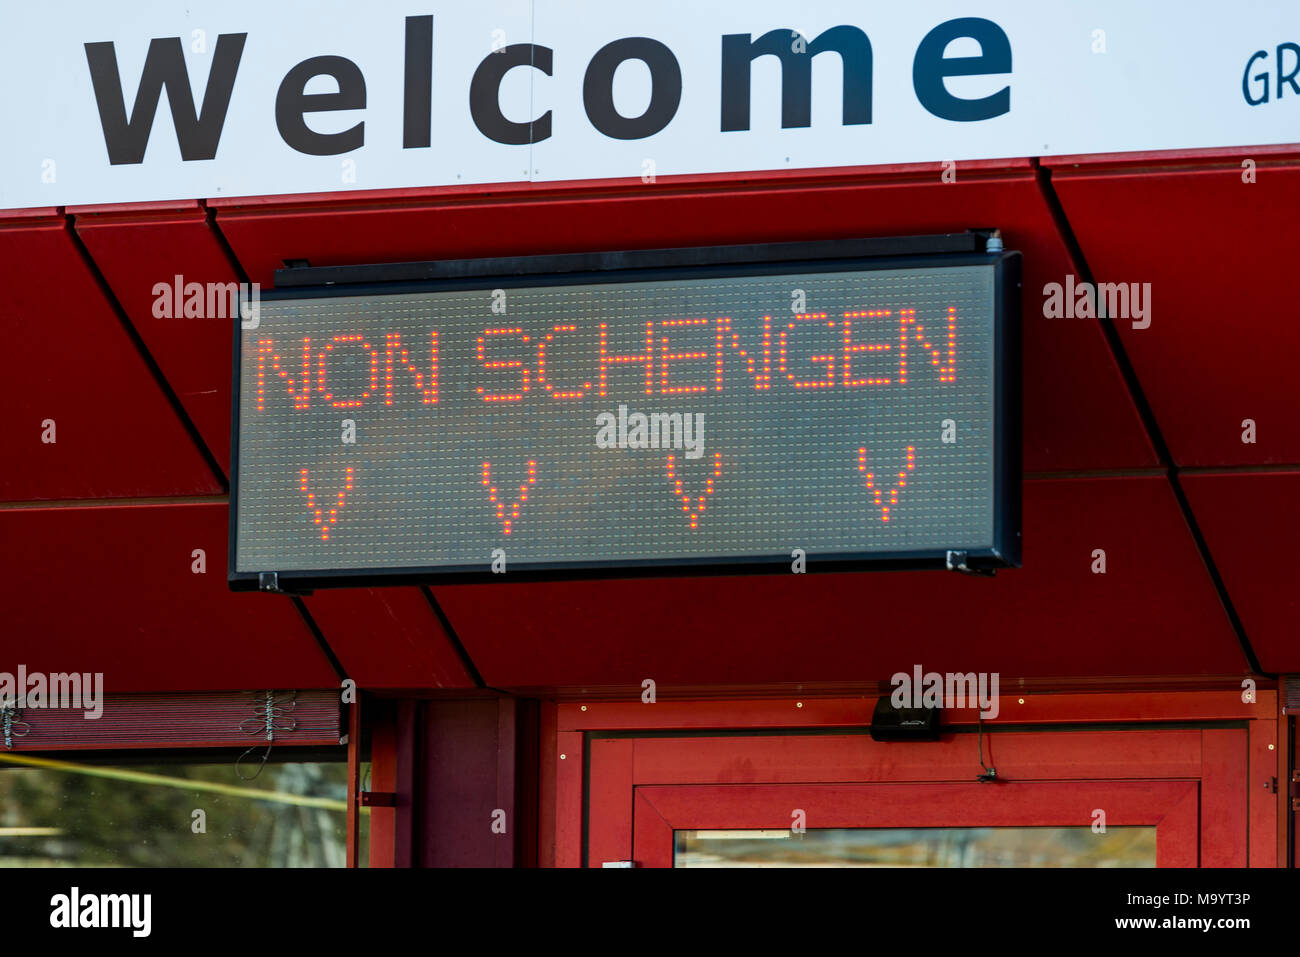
[919, 847]
[66, 813]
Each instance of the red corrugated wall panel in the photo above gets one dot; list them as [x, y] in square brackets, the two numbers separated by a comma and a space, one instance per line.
[112, 589]
[116, 435]
[138, 249]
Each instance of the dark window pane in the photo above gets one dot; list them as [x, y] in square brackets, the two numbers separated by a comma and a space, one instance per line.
[290, 815]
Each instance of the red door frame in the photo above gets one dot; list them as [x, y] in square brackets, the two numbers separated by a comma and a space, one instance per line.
[595, 758]
[1171, 806]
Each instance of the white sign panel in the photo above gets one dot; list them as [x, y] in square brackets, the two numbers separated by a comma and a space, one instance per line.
[155, 100]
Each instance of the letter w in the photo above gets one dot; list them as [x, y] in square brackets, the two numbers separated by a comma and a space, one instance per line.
[164, 66]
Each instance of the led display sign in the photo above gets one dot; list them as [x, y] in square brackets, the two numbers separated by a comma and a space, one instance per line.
[821, 412]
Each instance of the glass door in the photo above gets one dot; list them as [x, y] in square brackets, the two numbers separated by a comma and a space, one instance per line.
[1131, 797]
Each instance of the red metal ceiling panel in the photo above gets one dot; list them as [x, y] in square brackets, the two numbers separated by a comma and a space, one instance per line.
[1220, 256]
[1064, 361]
[136, 250]
[1154, 612]
[388, 638]
[112, 589]
[1251, 524]
[116, 434]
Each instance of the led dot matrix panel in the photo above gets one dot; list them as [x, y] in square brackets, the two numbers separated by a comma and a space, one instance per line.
[639, 421]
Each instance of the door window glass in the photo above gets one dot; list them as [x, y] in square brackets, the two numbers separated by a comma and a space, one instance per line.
[919, 847]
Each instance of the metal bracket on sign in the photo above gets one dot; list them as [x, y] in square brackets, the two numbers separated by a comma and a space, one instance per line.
[270, 582]
[957, 563]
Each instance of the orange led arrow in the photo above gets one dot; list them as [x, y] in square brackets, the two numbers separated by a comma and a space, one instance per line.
[693, 507]
[324, 521]
[514, 506]
[879, 493]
